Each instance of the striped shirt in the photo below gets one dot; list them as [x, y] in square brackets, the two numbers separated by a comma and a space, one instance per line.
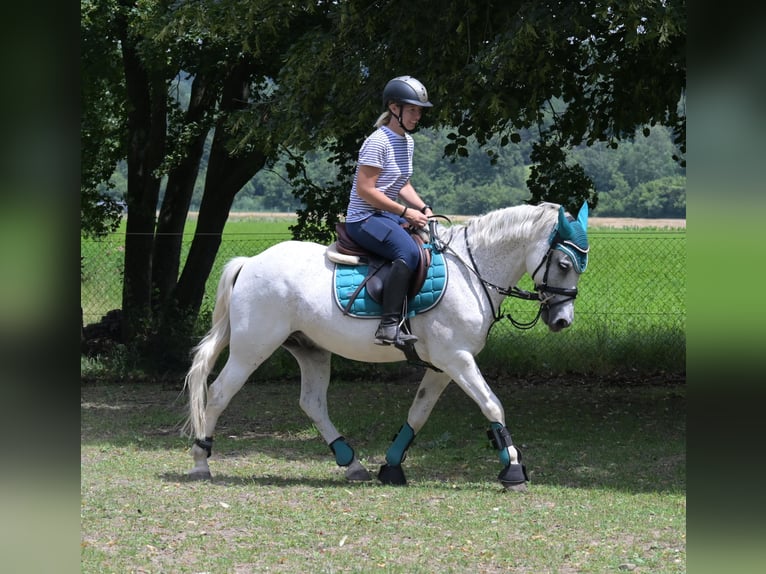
[391, 152]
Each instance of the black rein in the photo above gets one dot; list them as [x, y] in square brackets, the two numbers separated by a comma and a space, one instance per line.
[513, 291]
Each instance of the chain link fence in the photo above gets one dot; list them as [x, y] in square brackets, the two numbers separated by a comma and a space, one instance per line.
[630, 310]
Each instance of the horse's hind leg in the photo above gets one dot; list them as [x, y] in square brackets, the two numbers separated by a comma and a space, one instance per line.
[226, 385]
[314, 363]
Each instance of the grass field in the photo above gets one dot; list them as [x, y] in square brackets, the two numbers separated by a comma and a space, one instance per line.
[630, 314]
[605, 452]
[607, 490]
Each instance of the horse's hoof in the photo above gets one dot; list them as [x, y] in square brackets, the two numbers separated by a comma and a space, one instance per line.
[199, 475]
[393, 475]
[357, 473]
[518, 487]
[513, 474]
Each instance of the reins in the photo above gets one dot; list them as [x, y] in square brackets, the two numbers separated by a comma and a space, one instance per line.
[511, 291]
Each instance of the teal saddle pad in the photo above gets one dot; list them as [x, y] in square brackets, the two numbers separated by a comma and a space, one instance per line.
[349, 277]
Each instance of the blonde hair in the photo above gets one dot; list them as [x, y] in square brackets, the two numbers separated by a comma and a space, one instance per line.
[383, 119]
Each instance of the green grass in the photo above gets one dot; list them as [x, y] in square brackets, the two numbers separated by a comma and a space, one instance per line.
[607, 466]
[102, 260]
[630, 313]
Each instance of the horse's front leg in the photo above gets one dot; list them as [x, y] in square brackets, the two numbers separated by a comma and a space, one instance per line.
[466, 374]
[314, 363]
[429, 391]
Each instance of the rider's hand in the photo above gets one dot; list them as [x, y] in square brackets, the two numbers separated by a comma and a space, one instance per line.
[416, 219]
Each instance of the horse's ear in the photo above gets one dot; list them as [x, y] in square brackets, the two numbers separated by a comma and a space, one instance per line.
[565, 228]
[582, 216]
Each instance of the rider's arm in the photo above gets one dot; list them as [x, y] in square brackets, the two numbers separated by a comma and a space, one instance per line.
[411, 197]
[366, 179]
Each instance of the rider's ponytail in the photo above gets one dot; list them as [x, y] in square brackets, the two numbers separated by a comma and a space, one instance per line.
[383, 119]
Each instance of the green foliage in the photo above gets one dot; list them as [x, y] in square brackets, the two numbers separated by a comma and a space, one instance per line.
[100, 214]
[487, 178]
[664, 197]
[322, 205]
[271, 76]
[493, 73]
[102, 131]
[553, 179]
[472, 184]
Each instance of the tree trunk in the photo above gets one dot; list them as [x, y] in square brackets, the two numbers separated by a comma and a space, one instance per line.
[178, 194]
[226, 175]
[147, 108]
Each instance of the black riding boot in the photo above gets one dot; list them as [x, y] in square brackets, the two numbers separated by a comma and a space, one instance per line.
[394, 293]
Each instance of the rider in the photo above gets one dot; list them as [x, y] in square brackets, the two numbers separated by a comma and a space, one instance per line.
[374, 218]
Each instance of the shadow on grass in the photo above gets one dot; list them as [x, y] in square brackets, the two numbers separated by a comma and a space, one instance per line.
[337, 482]
[628, 436]
[450, 468]
[255, 480]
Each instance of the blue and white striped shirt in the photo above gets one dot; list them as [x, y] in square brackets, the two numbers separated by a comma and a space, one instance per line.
[391, 152]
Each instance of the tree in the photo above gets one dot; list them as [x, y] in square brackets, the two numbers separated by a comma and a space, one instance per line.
[647, 158]
[665, 197]
[231, 50]
[615, 201]
[271, 77]
[102, 134]
[576, 72]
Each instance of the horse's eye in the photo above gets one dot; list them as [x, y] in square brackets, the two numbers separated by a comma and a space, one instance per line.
[565, 264]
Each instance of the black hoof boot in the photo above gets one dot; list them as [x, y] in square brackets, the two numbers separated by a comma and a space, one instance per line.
[513, 475]
[393, 475]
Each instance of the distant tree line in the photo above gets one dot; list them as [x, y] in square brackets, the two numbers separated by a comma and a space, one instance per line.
[638, 179]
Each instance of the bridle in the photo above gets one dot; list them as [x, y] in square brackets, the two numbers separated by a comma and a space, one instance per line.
[542, 291]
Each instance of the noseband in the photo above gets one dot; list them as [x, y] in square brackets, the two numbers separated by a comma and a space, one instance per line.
[545, 288]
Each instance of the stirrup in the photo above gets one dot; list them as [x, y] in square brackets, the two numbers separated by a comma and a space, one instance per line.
[392, 334]
[401, 339]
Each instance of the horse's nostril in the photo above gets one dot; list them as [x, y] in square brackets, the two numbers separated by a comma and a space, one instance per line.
[562, 323]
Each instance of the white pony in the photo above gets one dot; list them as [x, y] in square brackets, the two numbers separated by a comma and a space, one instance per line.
[283, 297]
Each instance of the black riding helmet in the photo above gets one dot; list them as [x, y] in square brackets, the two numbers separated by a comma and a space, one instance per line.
[406, 90]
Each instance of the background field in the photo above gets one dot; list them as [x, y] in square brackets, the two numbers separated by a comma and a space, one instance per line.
[630, 314]
[599, 411]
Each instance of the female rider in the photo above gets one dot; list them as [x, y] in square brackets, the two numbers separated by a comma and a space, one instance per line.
[374, 217]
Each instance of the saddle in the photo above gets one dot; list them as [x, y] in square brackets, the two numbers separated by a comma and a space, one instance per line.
[347, 252]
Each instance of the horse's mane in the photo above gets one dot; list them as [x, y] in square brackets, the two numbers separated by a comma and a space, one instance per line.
[512, 223]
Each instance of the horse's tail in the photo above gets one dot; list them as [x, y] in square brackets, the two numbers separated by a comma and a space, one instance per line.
[208, 349]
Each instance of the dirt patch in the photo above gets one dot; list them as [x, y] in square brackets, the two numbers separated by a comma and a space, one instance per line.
[628, 222]
[609, 222]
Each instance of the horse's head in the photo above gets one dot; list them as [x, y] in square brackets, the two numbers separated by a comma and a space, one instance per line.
[558, 273]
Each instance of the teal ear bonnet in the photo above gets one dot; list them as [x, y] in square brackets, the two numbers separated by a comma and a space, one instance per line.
[571, 237]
